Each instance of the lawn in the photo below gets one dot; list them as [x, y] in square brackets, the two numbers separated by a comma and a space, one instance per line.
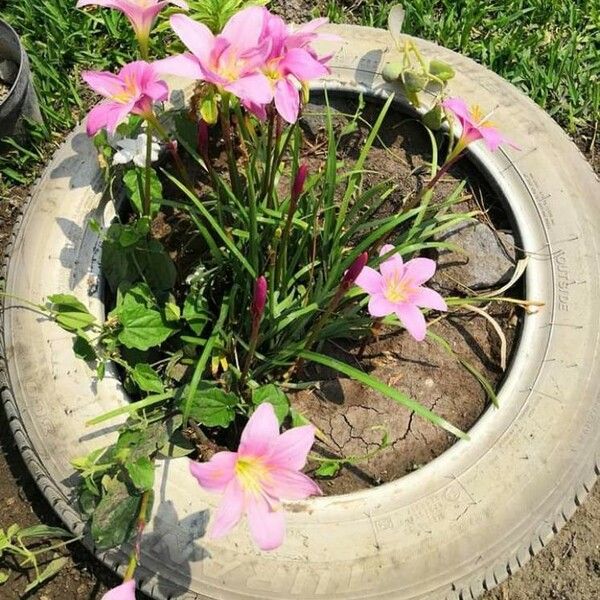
[548, 48]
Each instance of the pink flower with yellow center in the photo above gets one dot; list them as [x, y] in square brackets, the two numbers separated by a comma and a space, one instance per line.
[253, 480]
[125, 591]
[475, 126]
[132, 91]
[290, 63]
[398, 289]
[229, 60]
[141, 13]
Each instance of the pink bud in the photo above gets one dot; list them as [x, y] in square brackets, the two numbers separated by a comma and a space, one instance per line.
[259, 298]
[298, 186]
[355, 270]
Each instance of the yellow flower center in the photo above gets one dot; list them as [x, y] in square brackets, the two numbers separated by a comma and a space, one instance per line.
[251, 473]
[129, 92]
[271, 70]
[397, 290]
[478, 116]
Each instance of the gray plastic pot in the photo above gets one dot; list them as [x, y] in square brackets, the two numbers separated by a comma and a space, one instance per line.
[21, 102]
[452, 529]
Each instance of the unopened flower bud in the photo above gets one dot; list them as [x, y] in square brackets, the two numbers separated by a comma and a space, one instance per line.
[299, 181]
[355, 270]
[259, 298]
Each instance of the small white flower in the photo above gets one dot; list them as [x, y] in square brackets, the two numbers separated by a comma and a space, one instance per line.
[134, 150]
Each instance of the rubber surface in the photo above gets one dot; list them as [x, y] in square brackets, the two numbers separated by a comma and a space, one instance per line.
[454, 528]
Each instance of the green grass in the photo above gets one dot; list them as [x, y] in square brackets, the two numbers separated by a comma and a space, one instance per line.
[60, 42]
[549, 48]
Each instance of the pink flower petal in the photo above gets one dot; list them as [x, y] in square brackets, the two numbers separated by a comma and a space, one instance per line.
[302, 65]
[104, 83]
[229, 512]
[125, 591]
[252, 88]
[459, 107]
[420, 270]
[428, 298]
[243, 30]
[380, 306]
[291, 485]
[393, 267]
[266, 527]
[183, 65]
[413, 320]
[291, 448]
[370, 281]
[97, 118]
[260, 432]
[157, 90]
[287, 100]
[198, 38]
[215, 474]
[116, 114]
[258, 110]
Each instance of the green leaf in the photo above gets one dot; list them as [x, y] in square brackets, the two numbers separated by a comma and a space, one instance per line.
[384, 389]
[141, 473]
[43, 531]
[50, 571]
[147, 379]
[3, 577]
[172, 312]
[178, 446]
[115, 515]
[212, 407]
[145, 259]
[70, 313]
[134, 181]
[413, 82]
[440, 69]
[273, 395]
[143, 325]
[328, 469]
[101, 371]
[209, 109]
[433, 118]
[83, 348]
[131, 408]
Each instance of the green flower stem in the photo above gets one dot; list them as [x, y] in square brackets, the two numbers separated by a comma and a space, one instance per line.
[134, 558]
[225, 115]
[144, 47]
[251, 351]
[147, 208]
[268, 155]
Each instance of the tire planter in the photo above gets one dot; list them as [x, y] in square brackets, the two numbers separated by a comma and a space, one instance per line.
[456, 527]
[21, 101]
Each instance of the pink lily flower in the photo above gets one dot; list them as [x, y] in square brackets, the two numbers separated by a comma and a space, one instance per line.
[141, 13]
[475, 126]
[397, 288]
[253, 480]
[290, 62]
[132, 91]
[125, 591]
[229, 60]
